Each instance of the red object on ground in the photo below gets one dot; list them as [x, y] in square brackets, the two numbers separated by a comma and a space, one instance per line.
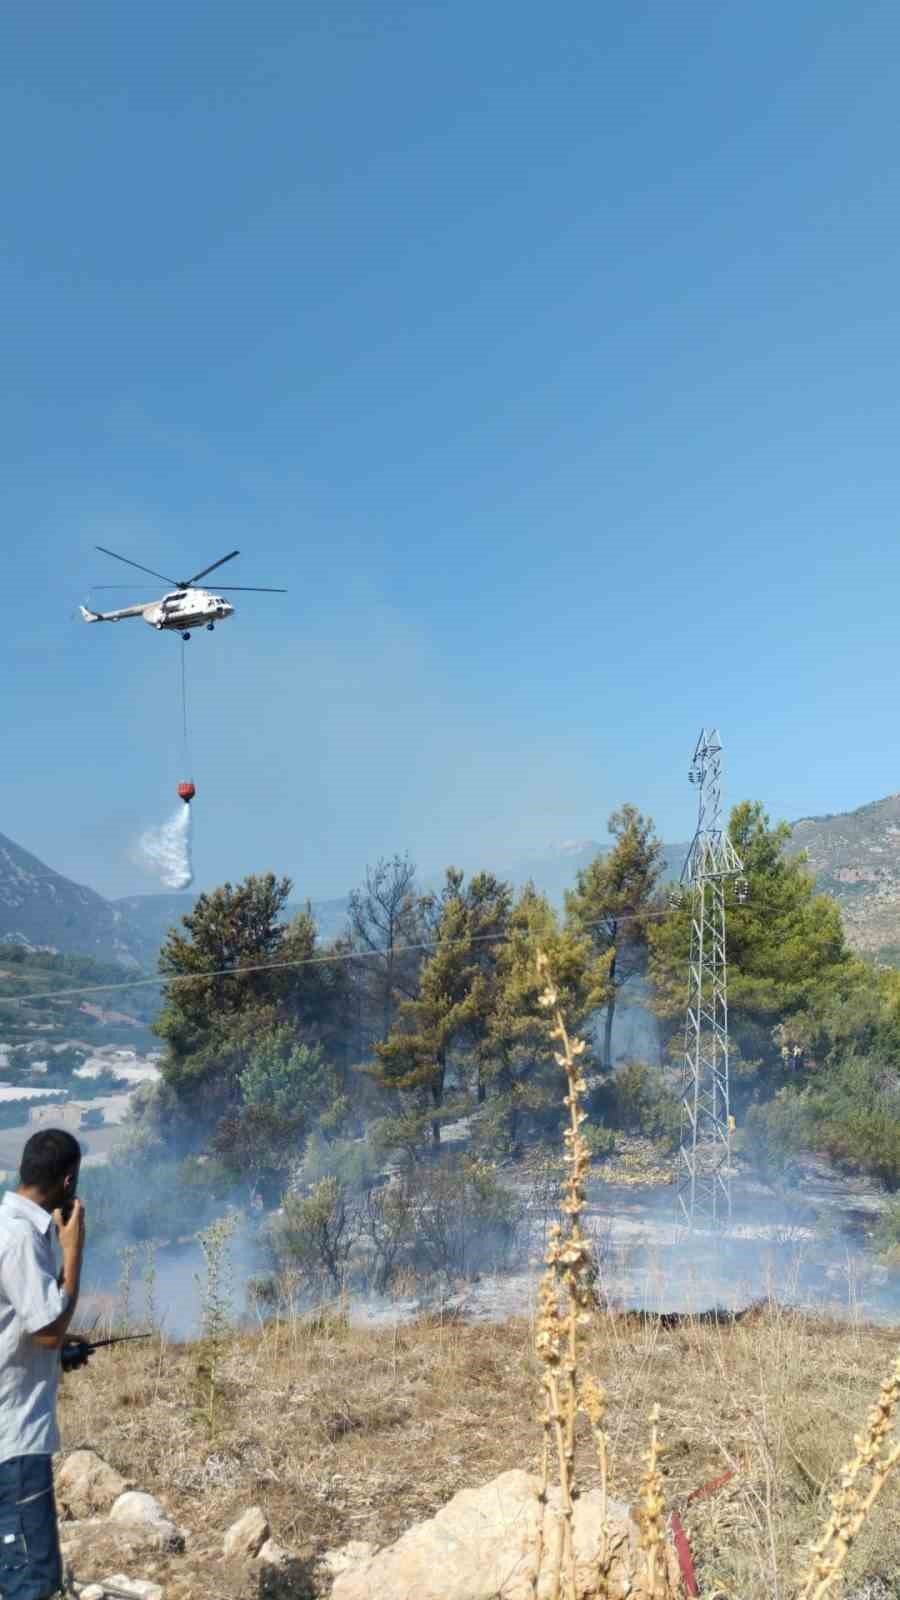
[683, 1552]
[186, 792]
[710, 1487]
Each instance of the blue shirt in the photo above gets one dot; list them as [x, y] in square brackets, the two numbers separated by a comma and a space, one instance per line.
[30, 1298]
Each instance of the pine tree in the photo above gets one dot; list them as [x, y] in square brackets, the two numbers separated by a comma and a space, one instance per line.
[611, 904]
[448, 1017]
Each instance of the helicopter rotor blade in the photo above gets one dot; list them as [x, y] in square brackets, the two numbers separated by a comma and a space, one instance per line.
[250, 588]
[129, 563]
[220, 563]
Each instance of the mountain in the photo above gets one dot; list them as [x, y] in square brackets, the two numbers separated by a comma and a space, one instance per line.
[40, 909]
[855, 856]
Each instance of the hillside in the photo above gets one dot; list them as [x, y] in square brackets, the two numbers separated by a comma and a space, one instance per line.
[855, 856]
[40, 909]
[342, 1433]
[93, 1019]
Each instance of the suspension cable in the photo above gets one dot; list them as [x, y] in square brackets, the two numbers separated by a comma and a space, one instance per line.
[333, 958]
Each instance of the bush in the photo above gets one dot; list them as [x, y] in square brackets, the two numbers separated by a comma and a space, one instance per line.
[464, 1219]
[314, 1236]
[352, 1161]
[774, 1134]
[638, 1099]
[886, 1234]
[600, 1141]
[442, 1221]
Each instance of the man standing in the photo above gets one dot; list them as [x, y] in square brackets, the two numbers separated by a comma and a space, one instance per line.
[36, 1307]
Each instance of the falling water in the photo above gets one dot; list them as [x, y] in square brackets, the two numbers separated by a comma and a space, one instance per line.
[166, 851]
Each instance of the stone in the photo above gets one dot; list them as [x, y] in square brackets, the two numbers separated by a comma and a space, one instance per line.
[352, 1554]
[86, 1485]
[139, 1588]
[247, 1536]
[489, 1544]
[135, 1506]
[96, 1543]
[91, 1591]
[273, 1554]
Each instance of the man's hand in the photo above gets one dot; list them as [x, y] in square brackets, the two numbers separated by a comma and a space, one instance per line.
[71, 1232]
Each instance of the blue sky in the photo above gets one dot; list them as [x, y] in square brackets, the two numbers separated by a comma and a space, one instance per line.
[549, 358]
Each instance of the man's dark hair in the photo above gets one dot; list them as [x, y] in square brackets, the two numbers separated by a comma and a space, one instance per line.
[47, 1157]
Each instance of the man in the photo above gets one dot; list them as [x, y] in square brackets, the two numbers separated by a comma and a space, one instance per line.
[36, 1307]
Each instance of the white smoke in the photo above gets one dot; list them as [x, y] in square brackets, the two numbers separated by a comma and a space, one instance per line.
[166, 851]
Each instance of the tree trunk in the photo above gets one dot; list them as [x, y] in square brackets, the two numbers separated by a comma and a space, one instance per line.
[610, 1013]
[437, 1097]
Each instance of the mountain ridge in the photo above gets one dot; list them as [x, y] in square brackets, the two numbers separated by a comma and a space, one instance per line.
[853, 856]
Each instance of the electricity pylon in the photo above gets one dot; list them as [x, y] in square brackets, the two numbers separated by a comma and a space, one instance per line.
[704, 1156]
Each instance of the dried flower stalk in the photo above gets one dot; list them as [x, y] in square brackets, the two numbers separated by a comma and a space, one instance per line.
[861, 1482]
[593, 1404]
[651, 1517]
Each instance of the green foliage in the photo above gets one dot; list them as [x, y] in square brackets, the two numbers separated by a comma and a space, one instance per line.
[14, 1113]
[217, 1288]
[886, 1234]
[313, 1237]
[444, 1025]
[611, 904]
[352, 1161]
[774, 1134]
[855, 1117]
[212, 1025]
[601, 1141]
[787, 957]
[639, 1099]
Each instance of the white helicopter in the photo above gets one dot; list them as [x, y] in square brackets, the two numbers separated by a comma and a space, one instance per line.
[184, 608]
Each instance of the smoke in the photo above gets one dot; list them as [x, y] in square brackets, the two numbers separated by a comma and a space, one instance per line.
[166, 851]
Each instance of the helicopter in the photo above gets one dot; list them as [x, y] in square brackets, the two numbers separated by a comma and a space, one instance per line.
[185, 607]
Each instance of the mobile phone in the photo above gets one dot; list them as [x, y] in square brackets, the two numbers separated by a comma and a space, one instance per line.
[67, 1207]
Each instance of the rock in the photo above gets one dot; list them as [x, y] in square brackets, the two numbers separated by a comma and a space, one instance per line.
[97, 1543]
[135, 1506]
[273, 1555]
[352, 1554]
[247, 1536]
[140, 1588]
[485, 1545]
[86, 1484]
[91, 1591]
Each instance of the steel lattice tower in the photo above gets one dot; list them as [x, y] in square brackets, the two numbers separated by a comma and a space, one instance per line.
[704, 1156]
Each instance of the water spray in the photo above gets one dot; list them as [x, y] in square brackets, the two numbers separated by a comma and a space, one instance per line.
[166, 851]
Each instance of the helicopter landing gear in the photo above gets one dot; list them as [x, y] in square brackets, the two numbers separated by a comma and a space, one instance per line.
[210, 626]
[186, 637]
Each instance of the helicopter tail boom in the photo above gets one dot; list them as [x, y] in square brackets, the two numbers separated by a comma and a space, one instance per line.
[110, 616]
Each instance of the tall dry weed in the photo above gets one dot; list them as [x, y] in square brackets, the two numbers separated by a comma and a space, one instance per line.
[567, 1301]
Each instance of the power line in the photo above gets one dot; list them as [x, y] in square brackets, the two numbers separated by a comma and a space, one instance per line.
[305, 961]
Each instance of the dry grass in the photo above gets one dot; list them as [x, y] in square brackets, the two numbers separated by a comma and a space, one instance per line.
[344, 1434]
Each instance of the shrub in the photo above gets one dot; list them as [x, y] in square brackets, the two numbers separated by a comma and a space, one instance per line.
[465, 1219]
[352, 1161]
[313, 1238]
[638, 1099]
[774, 1134]
[601, 1141]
